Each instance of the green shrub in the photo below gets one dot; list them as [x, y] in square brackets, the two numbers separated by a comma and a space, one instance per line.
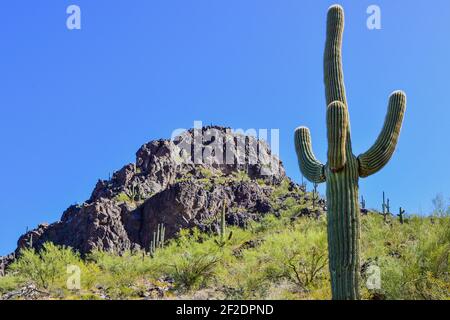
[10, 283]
[48, 267]
[275, 258]
[120, 272]
[205, 173]
[281, 190]
[413, 257]
[192, 271]
[123, 197]
[241, 176]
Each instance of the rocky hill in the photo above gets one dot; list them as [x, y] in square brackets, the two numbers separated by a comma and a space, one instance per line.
[275, 244]
[181, 183]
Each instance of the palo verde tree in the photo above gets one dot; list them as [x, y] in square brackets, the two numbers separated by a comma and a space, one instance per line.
[343, 169]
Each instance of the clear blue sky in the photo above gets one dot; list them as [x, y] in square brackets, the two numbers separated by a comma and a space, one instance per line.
[76, 105]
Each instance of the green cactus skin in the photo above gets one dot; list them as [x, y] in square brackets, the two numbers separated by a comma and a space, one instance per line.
[385, 209]
[158, 238]
[223, 228]
[223, 224]
[315, 196]
[343, 169]
[401, 214]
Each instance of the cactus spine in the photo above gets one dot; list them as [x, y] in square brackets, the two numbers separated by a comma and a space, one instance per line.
[343, 169]
[158, 238]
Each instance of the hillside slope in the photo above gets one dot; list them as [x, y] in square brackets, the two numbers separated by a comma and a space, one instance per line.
[232, 231]
[281, 256]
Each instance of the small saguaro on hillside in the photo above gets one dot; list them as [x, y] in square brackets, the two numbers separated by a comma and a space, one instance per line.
[343, 169]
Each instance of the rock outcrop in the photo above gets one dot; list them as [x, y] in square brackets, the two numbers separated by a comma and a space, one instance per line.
[181, 183]
[6, 261]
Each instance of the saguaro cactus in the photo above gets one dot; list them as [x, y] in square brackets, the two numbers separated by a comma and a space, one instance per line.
[401, 214]
[223, 227]
[343, 169]
[386, 208]
[315, 195]
[158, 238]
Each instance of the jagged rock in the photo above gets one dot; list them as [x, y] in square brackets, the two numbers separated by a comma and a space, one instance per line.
[28, 292]
[190, 204]
[175, 183]
[91, 226]
[306, 212]
[5, 262]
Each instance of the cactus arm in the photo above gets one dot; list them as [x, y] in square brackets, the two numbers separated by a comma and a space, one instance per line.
[333, 73]
[337, 130]
[379, 154]
[311, 168]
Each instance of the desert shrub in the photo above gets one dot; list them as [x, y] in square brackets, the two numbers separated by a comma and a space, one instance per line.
[128, 264]
[290, 202]
[191, 259]
[298, 254]
[428, 266]
[119, 273]
[291, 261]
[261, 182]
[48, 268]
[274, 258]
[221, 180]
[205, 173]
[281, 189]
[413, 257]
[9, 283]
[123, 197]
[191, 271]
[268, 222]
[243, 279]
[241, 176]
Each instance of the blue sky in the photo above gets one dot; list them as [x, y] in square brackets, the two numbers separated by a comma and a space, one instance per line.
[76, 105]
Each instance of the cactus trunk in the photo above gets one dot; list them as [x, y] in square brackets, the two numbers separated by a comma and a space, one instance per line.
[343, 231]
[158, 238]
[223, 224]
[343, 169]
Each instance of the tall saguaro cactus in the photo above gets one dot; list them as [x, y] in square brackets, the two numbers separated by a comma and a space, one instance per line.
[343, 169]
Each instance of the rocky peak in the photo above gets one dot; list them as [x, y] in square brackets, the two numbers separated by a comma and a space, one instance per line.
[181, 182]
[216, 149]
